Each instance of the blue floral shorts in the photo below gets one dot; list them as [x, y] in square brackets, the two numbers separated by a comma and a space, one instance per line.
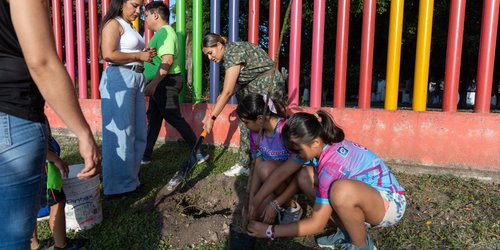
[395, 206]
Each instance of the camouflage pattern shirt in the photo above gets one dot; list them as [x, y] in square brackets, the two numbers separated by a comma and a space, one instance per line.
[254, 63]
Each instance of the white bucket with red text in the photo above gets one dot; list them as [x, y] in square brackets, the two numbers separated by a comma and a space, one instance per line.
[83, 204]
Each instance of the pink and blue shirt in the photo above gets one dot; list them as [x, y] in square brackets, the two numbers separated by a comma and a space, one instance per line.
[271, 147]
[348, 160]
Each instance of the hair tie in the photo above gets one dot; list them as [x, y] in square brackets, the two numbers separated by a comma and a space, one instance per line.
[270, 104]
[317, 117]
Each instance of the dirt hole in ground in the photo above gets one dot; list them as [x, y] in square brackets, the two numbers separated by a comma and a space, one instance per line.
[192, 208]
[205, 210]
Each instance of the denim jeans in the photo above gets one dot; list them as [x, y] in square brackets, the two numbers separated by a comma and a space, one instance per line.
[123, 129]
[23, 150]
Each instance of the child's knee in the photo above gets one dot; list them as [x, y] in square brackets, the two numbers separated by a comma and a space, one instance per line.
[265, 169]
[305, 180]
[340, 194]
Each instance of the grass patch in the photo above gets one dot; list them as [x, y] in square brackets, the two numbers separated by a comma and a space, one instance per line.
[444, 212]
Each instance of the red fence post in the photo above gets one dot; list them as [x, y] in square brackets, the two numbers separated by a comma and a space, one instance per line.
[366, 61]
[486, 61]
[294, 62]
[147, 33]
[341, 54]
[317, 52]
[274, 30]
[105, 6]
[81, 49]
[69, 39]
[453, 55]
[253, 21]
[94, 54]
[57, 26]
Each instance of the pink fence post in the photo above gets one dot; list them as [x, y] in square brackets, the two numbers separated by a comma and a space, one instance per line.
[253, 21]
[81, 49]
[69, 39]
[317, 52]
[453, 55]
[94, 52]
[486, 62]
[274, 30]
[57, 26]
[147, 33]
[294, 62]
[105, 6]
[367, 43]
[341, 54]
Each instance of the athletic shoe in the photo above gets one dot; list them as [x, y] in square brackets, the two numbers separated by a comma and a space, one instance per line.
[236, 170]
[292, 214]
[334, 240]
[202, 157]
[43, 213]
[369, 245]
[175, 181]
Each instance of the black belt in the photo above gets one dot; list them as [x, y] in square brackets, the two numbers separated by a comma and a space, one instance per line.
[136, 68]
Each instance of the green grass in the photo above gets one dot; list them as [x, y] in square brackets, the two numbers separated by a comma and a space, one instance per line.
[444, 212]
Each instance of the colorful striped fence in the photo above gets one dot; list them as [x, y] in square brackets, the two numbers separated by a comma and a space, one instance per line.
[485, 68]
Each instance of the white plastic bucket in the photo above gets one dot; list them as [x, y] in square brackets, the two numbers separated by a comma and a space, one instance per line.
[83, 205]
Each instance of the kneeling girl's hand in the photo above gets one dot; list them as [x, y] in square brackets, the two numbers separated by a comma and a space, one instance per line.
[269, 214]
[257, 229]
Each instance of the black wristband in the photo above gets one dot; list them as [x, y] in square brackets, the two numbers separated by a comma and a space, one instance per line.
[214, 117]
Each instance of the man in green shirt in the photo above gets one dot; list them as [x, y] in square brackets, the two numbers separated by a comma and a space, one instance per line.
[164, 81]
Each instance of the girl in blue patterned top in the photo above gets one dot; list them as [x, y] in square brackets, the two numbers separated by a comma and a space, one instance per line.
[270, 155]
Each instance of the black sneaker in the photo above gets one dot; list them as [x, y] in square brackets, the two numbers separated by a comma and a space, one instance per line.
[201, 157]
[145, 161]
[70, 245]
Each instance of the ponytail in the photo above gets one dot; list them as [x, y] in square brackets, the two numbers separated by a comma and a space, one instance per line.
[304, 128]
[211, 40]
[331, 132]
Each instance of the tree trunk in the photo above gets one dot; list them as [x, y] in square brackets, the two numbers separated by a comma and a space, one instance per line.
[189, 63]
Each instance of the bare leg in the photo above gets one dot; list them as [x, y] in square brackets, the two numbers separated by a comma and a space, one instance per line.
[57, 223]
[34, 240]
[263, 170]
[307, 180]
[356, 202]
[266, 169]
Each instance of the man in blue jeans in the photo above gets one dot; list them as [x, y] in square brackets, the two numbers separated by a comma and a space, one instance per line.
[165, 82]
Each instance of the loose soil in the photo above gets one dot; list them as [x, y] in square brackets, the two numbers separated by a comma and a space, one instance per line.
[443, 211]
[191, 217]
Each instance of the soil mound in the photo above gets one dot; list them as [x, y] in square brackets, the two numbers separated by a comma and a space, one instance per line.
[203, 211]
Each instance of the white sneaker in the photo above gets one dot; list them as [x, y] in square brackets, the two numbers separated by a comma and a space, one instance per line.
[236, 170]
[292, 214]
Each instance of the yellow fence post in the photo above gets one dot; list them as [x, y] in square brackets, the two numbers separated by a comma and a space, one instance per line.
[394, 54]
[136, 24]
[422, 55]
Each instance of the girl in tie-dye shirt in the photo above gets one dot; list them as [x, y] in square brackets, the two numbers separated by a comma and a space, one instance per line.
[350, 183]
